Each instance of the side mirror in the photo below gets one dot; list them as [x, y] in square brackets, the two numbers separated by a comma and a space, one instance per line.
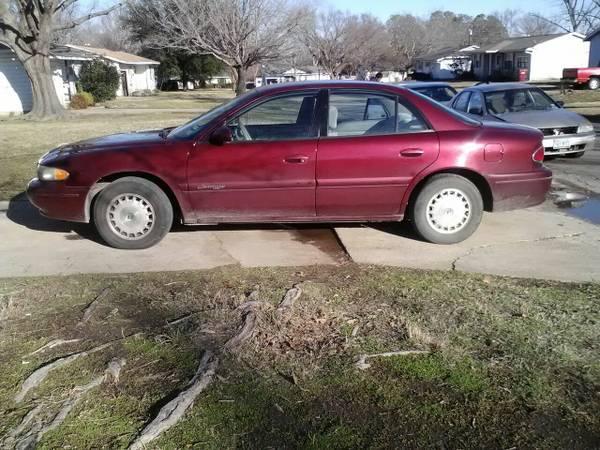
[560, 103]
[220, 136]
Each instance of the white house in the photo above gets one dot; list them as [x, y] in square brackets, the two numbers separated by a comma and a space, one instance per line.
[534, 58]
[15, 87]
[137, 72]
[446, 63]
[293, 74]
[594, 56]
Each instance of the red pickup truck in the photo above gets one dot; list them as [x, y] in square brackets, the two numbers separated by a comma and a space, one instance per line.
[589, 76]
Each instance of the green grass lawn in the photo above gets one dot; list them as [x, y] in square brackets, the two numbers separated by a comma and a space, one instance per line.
[197, 99]
[512, 363]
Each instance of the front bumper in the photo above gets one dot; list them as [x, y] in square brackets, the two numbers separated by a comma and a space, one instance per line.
[520, 190]
[569, 144]
[56, 200]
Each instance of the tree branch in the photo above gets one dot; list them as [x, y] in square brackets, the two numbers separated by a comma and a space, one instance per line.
[82, 19]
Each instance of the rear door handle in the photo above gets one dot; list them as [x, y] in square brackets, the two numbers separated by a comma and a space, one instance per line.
[296, 159]
[412, 152]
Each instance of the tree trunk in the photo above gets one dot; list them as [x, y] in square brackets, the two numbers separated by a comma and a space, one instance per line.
[240, 80]
[45, 100]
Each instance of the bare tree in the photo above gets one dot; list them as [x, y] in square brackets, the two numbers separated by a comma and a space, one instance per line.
[27, 27]
[533, 25]
[575, 16]
[107, 32]
[328, 38]
[409, 39]
[510, 19]
[240, 33]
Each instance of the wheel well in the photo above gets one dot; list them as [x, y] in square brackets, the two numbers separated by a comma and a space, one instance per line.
[477, 179]
[104, 181]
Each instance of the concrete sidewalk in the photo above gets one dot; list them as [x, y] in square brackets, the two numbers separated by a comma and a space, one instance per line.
[31, 245]
[533, 243]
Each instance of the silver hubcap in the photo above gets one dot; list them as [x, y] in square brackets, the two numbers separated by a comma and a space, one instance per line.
[448, 211]
[130, 216]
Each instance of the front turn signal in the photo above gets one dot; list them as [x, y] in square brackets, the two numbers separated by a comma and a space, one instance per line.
[52, 174]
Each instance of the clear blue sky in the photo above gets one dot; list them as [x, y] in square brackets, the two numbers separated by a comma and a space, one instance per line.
[385, 8]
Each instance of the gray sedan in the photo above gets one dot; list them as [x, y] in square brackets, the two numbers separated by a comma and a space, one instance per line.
[565, 132]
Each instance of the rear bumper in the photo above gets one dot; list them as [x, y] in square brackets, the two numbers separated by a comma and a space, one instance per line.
[574, 143]
[572, 80]
[522, 190]
[57, 201]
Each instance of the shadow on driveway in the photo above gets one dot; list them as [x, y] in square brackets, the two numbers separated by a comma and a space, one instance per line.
[22, 212]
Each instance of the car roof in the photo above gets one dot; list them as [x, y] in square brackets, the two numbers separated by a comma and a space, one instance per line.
[324, 84]
[422, 84]
[495, 87]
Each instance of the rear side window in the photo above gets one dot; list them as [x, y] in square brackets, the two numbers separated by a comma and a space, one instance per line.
[461, 102]
[363, 114]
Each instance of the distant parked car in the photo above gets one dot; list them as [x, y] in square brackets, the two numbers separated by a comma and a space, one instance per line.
[298, 152]
[565, 133]
[440, 92]
[585, 76]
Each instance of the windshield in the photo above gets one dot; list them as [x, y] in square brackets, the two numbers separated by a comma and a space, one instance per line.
[518, 100]
[438, 93]
[194, 126]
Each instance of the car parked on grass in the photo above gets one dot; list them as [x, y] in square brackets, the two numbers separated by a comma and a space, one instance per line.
[298, 152]
[565, 133]
[440, 92]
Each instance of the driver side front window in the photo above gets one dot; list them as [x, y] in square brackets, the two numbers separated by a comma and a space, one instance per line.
[281, 118]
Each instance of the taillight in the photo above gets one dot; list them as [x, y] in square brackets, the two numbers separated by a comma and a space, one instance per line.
[538, 155]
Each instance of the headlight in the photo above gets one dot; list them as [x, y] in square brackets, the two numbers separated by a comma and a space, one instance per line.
[52, 174]
[586, 128]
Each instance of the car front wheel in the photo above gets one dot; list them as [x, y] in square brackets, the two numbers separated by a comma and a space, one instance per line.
[594, 83]
[447, 210]
[132, 213]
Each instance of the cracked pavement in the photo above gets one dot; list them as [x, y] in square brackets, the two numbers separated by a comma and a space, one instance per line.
[531, 243]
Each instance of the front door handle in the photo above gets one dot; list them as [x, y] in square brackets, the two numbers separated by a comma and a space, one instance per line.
[296, 159]
[412, 152]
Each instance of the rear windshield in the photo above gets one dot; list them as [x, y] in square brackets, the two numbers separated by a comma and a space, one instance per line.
[438, 93]
[518, 100]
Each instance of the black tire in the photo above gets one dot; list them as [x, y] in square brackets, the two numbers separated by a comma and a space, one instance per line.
[575, 155]
[594, 83]
[467, 194]
[145, 195]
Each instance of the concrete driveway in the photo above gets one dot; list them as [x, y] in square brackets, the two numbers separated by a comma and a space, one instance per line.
[538, 243]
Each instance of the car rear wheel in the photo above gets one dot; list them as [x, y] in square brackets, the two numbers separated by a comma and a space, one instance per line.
[447, 210]
[575, 155]
[594, 83]
[132, 213]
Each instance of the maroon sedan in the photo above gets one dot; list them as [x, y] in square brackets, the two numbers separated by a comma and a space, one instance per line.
[298, 152]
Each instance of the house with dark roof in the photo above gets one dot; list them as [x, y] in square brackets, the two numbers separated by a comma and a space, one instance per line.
[531, 58]
[137, 74]
[594, 56]
[446, 63]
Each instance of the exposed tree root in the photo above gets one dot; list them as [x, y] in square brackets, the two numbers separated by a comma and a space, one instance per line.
[52, 344]
[246, 332]
[362, 363]
[290, 298]
[28, 440]
[172, 412]
[40, 374]
[88, 311]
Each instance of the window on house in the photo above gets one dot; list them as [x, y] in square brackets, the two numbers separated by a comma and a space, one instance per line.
[508, 65]
[522, 62]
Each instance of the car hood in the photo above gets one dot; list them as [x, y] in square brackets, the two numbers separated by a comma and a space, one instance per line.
[544, 119]
[144, 137]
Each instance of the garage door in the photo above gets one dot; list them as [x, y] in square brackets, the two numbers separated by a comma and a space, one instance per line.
[15, 87]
